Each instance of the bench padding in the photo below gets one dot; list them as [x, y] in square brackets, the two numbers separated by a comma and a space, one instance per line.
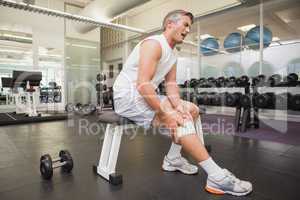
[110, 117]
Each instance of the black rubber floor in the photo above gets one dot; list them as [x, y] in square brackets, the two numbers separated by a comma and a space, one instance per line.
[14, 119]
[273, 168]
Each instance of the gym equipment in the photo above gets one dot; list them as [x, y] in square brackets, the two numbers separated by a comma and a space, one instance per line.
[25, 85]
[209, 46]
[215, 99]
[116, 126]
[88, 109]
[211, 81]
[253, 37]
[291, 80]
[283, 101]
[202, 83]
[234, 42]
[202, 98]
[233, 99]
[246, 115]
[65, 162]
[101, 77]
[295, 102]
[274, 80]
[69, 108]
[242, 81]
[101, 87]
[265, 100]
[221, 82]
[194, 82]
[218, 99]
[231, 82]
[259, 81]
[52, 84]
[245, 101]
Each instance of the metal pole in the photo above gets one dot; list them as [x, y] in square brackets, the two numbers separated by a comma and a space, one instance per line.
[261, 35]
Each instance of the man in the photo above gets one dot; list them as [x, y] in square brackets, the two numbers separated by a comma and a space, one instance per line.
[152, 61]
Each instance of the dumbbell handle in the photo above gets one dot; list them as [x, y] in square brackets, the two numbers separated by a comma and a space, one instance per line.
[59, 165]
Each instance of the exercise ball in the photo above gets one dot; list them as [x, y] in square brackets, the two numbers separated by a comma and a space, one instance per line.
[233, 69]
[267, 69]
[252, 37]
[234, 42]
[209, 46]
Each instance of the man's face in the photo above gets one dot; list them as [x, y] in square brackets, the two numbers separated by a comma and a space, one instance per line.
[181, 28]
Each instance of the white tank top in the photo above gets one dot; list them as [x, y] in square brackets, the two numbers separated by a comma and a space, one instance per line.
[126, 80]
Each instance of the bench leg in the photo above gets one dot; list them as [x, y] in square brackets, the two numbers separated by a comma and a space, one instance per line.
[110, 150]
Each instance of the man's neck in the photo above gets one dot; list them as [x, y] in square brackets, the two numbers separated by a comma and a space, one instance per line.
[171, 43]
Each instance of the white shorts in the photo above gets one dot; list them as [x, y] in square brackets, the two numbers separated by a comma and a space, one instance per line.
[133, 106]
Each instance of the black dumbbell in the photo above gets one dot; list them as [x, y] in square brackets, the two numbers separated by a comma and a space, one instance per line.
[245, 101]
[291, 80]
[78, 107]
[220, 82]
[100, 87]
[69, 108]
[202, 98]
[274, 80]
[295, 102]
[211, 81]
[193, 83]
[259, 81]
[215, 99]
[101, 77]
[47, 166]
[283, 101]
[52, 84]
[105, 96]
[265, 100]
[233, 99]
[202, 83]
[242, 81]
[231, 82]
[88, 109]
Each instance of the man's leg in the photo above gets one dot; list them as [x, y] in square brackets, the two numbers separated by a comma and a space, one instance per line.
[174, 161]
[174, 156]
[219, 181]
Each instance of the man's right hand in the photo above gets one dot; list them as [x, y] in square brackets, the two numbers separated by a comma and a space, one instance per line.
[171, 121]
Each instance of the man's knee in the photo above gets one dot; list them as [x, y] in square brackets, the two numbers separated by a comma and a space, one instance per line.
[187, 128]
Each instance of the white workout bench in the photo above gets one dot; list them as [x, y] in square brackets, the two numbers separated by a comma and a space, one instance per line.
[116, 124]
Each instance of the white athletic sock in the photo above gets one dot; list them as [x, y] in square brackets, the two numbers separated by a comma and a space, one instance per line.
[174, 151]
[211, 168]
[199, 130]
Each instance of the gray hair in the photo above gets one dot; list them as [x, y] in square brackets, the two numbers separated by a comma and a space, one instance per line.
[175, 15]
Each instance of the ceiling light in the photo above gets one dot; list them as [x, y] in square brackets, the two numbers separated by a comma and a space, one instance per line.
[246, 27]
[204, 36]
[83, 46]
[18, 37]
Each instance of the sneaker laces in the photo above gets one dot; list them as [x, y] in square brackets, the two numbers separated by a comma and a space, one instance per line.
[232, 177]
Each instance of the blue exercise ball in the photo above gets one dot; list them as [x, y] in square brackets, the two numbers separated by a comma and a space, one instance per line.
[252, 37]
[209, 46]
[234, 42]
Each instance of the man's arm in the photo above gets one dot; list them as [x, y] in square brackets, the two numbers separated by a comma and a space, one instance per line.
[150, 54]
[172, 88]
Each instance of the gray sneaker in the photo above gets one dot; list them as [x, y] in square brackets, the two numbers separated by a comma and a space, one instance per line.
[179, 164]
[229, 184]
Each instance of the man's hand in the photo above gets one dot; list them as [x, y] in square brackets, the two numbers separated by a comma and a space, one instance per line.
[171, 121]
[183, 112]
